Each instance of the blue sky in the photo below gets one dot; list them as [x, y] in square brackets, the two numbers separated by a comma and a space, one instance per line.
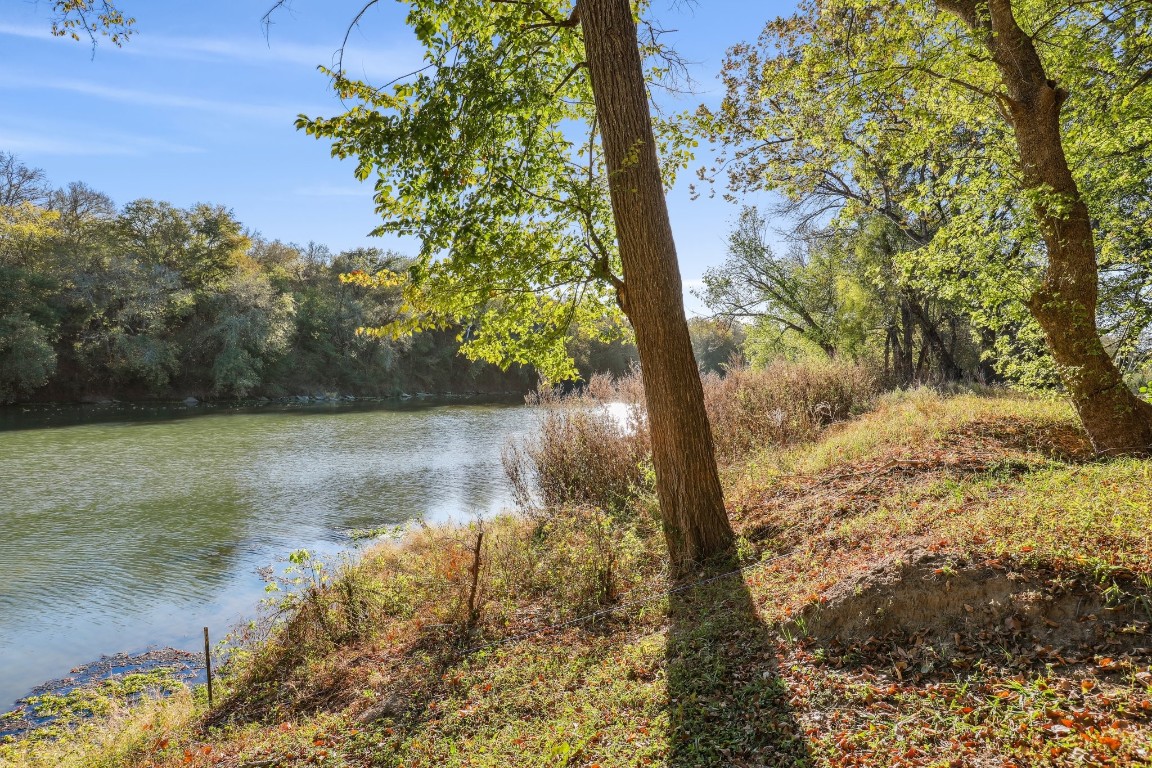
[199, 106]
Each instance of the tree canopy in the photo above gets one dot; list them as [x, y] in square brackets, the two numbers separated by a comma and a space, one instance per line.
[851, 108]
[523, 156]
[152, 300]
[490, 156]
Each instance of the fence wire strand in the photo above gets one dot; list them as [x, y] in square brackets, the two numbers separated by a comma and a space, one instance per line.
[618, 607]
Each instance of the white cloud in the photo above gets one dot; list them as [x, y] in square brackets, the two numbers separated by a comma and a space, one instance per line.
[389, 63]
[155, 99]
[116, 146]
[16, 30]
[367, 64]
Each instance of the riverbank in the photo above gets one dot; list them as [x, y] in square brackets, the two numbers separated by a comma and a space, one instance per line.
[58, 704]
[129, 528]
[941, 581]
[94, 410]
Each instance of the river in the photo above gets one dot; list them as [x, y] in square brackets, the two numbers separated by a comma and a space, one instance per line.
[124, 528]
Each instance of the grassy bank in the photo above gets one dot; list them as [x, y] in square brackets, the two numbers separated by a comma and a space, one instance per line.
[941, 581]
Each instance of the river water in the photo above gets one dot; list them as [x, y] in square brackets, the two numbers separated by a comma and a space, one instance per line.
[124, 528]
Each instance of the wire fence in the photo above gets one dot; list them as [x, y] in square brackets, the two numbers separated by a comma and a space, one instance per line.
[627, 604]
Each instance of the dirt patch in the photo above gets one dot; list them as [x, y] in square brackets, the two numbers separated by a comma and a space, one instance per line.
[954, 602]
[1060, 441]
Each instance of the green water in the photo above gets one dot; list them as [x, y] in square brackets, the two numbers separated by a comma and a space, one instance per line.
[123, 529]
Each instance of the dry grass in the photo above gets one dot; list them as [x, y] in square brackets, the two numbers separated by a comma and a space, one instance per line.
[784, 404]
[589, 450]
[125, 736]
[592, 447]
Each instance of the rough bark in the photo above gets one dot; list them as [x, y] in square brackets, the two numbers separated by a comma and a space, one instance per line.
[907, 371]
[696, 525]
[1064, 305]
[949, 369]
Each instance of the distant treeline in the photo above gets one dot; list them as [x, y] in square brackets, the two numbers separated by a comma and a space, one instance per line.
[151, 300]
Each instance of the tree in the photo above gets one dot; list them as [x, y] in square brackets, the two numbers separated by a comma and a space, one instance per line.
[19, 183]
[244, 326]
[717, 343]
[28, 322]
[158, 300]
[204, 244]
[1065, 302]
[797, 120]
[953, 115]
[787, 292]
[688, 484]
[838, 292]
[525, 229]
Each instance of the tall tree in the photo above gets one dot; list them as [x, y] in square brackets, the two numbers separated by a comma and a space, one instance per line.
[523, 156]
[19, 183]
[952, 112]
[1065, 302]
[688, 485]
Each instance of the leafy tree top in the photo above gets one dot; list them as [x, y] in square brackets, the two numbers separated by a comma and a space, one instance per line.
[857, 107]
[489, 154]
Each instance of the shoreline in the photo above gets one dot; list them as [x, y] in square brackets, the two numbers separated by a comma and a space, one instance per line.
[18, 719]
[315, 398]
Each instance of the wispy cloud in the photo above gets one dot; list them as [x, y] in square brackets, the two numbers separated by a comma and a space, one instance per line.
[152, 98]
[100, 146]
[257, 49]
[17, 30]
[385, 63]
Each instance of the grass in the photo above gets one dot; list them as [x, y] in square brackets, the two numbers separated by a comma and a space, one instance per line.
[104, 727]
[722, 673]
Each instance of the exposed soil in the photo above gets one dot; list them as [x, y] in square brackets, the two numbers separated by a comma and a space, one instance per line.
[956, 603]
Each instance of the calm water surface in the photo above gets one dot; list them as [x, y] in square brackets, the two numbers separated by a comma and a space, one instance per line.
[137, 528]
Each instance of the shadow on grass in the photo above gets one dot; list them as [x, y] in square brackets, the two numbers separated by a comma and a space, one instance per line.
[727, 705]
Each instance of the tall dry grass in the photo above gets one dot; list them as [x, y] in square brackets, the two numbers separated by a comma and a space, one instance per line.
[592, 447]
[783, 403]
[589, 449]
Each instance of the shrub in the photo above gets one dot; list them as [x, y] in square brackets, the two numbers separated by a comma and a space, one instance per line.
[588, 451]
[587, 558]
[783, 403]
[592, 446]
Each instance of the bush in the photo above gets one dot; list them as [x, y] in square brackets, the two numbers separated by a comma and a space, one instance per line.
[783, 403]
[592, 447]
[587, 558]
[27, 359]
[589, 450]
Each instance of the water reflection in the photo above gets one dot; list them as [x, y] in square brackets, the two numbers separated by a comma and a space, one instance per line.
[117, 535]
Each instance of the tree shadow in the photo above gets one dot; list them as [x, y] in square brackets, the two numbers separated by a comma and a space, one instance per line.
[727, 704]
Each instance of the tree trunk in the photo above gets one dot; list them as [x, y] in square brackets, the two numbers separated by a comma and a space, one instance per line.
[986, 368]
[949, 369]
[907, 373]
[1064, 305]
[696, 525]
